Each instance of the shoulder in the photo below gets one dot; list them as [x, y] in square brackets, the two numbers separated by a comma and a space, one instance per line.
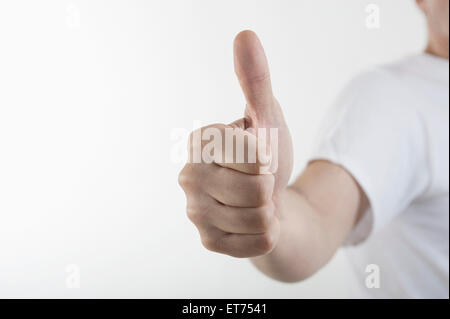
[376, 102]
[378, 83]
[379, 92]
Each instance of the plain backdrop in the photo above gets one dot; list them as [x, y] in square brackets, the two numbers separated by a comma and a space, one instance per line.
[92, 95]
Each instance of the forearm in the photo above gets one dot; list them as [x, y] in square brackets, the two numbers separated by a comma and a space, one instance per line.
[303, 246]
[316, 214]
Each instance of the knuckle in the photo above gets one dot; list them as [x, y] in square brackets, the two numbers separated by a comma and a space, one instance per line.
[188, 177]
[197, 214]
[264, 217]
[266, 243]
[184, 178]
[263, 188]
[210, 243]
[194, 215]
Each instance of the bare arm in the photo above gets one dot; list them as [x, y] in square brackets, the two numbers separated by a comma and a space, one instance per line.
[316, 214]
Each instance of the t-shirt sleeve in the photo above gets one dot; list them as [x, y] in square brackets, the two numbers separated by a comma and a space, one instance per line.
[379, 138]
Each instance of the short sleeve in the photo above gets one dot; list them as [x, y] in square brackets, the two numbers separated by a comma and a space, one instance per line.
[376, 134]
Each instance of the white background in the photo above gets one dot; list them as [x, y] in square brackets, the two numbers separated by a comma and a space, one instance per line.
[90, 92]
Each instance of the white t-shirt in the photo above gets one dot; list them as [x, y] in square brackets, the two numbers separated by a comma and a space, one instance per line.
[390, 130]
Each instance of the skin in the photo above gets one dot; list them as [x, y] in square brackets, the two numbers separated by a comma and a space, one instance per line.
[437, 13]
[288, 231]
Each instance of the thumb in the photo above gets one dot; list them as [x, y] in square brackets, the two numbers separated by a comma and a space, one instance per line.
[252, 70]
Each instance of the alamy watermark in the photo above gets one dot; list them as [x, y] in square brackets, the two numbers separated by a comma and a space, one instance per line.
[73, 278]
[374, 276]
[226, 145]
[373, 17]
[73, 17]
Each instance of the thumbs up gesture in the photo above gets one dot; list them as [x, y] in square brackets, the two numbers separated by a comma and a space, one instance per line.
[236, 172]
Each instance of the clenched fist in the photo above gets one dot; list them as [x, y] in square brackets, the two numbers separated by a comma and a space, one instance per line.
[233, 199]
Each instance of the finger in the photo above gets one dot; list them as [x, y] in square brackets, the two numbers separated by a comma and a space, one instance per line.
[250, 221]
[230, 147]
[243, 246]
[207, 211]
[252, 70]
[230, 187]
